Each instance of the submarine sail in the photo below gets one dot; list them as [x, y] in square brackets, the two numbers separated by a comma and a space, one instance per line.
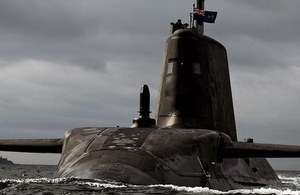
[195, 88]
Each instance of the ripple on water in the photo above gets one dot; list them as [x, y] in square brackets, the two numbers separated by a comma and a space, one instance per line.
[29, 179]
[75, 186]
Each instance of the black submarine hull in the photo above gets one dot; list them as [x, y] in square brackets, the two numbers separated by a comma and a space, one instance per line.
[194, 141]
[185, 157]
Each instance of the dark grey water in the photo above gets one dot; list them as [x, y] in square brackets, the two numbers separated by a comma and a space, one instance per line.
[37, 179]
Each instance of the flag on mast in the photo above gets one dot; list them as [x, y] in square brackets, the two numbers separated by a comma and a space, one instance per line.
[204, 16]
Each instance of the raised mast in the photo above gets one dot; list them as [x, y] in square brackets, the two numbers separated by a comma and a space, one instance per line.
[200, 25]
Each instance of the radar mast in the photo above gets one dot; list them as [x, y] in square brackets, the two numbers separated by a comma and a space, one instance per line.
[199, 25]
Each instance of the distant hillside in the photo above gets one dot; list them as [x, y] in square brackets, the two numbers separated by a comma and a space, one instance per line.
[5, 161]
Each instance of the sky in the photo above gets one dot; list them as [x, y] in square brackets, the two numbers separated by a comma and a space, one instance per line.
[67, 64]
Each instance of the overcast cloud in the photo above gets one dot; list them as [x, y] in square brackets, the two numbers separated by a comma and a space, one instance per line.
[67, 64]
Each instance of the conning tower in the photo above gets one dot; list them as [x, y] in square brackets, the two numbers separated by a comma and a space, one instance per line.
[195, 86]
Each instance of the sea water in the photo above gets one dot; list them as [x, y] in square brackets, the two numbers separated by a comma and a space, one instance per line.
[37, 179]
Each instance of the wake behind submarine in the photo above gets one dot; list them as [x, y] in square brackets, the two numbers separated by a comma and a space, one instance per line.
[192, 142]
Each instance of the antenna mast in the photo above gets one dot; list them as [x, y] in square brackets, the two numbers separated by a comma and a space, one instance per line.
[199, 25]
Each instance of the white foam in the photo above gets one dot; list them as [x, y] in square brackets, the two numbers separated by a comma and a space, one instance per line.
[101, 185]
[108, 184]
[37, 180]
[239, 191]
[189, 189]
[293, 180]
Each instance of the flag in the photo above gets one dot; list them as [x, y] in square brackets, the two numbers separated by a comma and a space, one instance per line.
[204, 16]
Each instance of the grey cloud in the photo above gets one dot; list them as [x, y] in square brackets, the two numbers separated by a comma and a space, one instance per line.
[90, 63]
[66, 64]
[82, 34]
[258, 35]
[47, 19]
[272, 21]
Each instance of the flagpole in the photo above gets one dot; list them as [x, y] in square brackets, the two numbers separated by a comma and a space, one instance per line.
[200, 26]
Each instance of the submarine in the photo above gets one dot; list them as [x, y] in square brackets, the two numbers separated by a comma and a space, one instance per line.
[193, 140]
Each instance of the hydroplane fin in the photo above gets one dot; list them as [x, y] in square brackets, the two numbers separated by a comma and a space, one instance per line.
[259, 150]
[32, 145]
